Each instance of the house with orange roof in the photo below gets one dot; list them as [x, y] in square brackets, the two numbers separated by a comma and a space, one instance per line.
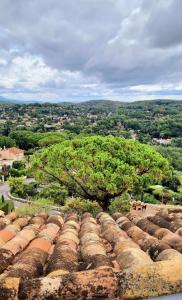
[7, 156]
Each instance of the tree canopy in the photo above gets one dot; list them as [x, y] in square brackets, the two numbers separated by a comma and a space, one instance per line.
[7, 142]
[100, 168]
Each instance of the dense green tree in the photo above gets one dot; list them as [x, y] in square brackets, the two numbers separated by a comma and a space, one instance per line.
[52, 138]
[7, 142]
[25, 139]
[173, 154]
[100, 168]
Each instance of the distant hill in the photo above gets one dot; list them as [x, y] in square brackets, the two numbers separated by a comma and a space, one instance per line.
[89, 103]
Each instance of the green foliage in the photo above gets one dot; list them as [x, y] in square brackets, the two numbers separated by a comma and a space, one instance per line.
[39, 205]
[178, 198]
[30, 189]
[18, 173]
[164, 195]
[100, 168]
[15, 173]
[16, 185]
[148, 198]
[82, 205]
[120, 204]
[173, 154]
[21, 189]
[6, 206]
[52, 138]
[55, 192]
[26, 139]
[19, 164]
[6, 141]
[172, 183]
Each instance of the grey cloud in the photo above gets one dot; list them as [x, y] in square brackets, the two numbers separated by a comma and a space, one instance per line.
[110, 45]
[165, 26]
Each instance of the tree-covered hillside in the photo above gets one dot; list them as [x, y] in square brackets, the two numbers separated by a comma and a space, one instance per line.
[158, 123]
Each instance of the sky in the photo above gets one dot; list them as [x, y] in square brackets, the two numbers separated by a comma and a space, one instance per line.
[77, 50]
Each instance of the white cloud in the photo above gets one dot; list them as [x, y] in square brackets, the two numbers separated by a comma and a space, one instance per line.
[26, 72]
[71, 49]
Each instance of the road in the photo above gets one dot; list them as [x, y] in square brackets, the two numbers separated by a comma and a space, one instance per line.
[5, 189]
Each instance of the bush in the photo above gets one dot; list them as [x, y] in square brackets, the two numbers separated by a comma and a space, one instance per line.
[16, 185]
[18, 173]
[54, 192]
[20, 189]
[164, 195]
[178, 198]
[40, 205]
[81, 206]
[120, 204]
[6, 206]
[30, 189]
[148, 198]
[18, 164]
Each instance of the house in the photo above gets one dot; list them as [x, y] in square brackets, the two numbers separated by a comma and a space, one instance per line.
[162, 141]
[7, 156]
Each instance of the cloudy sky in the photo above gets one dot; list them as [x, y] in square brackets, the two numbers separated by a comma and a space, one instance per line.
[57, 50]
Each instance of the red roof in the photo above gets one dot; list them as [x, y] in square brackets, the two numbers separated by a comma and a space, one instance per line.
[15, 150]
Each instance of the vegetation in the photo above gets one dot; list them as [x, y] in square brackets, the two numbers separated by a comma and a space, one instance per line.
[80, 205]
[79, 150]
[120, 204]
[16, 185]
[173, 154]
[7, 142]
[39, 206]
[6, 206]
[19, 188]
[54, 192]
[100, 168]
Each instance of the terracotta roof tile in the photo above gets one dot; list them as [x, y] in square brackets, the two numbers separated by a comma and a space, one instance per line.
[72, 257]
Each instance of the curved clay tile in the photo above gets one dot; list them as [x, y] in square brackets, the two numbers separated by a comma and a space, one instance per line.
[64, 258]
[93, 250]
[127, 258]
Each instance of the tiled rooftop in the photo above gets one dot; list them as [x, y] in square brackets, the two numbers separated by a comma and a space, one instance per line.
[82, 257]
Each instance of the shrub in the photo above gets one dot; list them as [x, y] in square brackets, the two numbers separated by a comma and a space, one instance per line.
[6, 206]
[82, 205]
[16, 185]
[164, 195]
[120, 204]
[18, 164]
[178, 198]
[39, 205]
[18, 173]
[30, 189]
[21, 189]
[54, 192]
[148, 198]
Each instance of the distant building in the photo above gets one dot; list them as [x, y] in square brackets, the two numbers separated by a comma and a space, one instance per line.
[162, 141]
[8, 156]
[133, 134]
[119, 125]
